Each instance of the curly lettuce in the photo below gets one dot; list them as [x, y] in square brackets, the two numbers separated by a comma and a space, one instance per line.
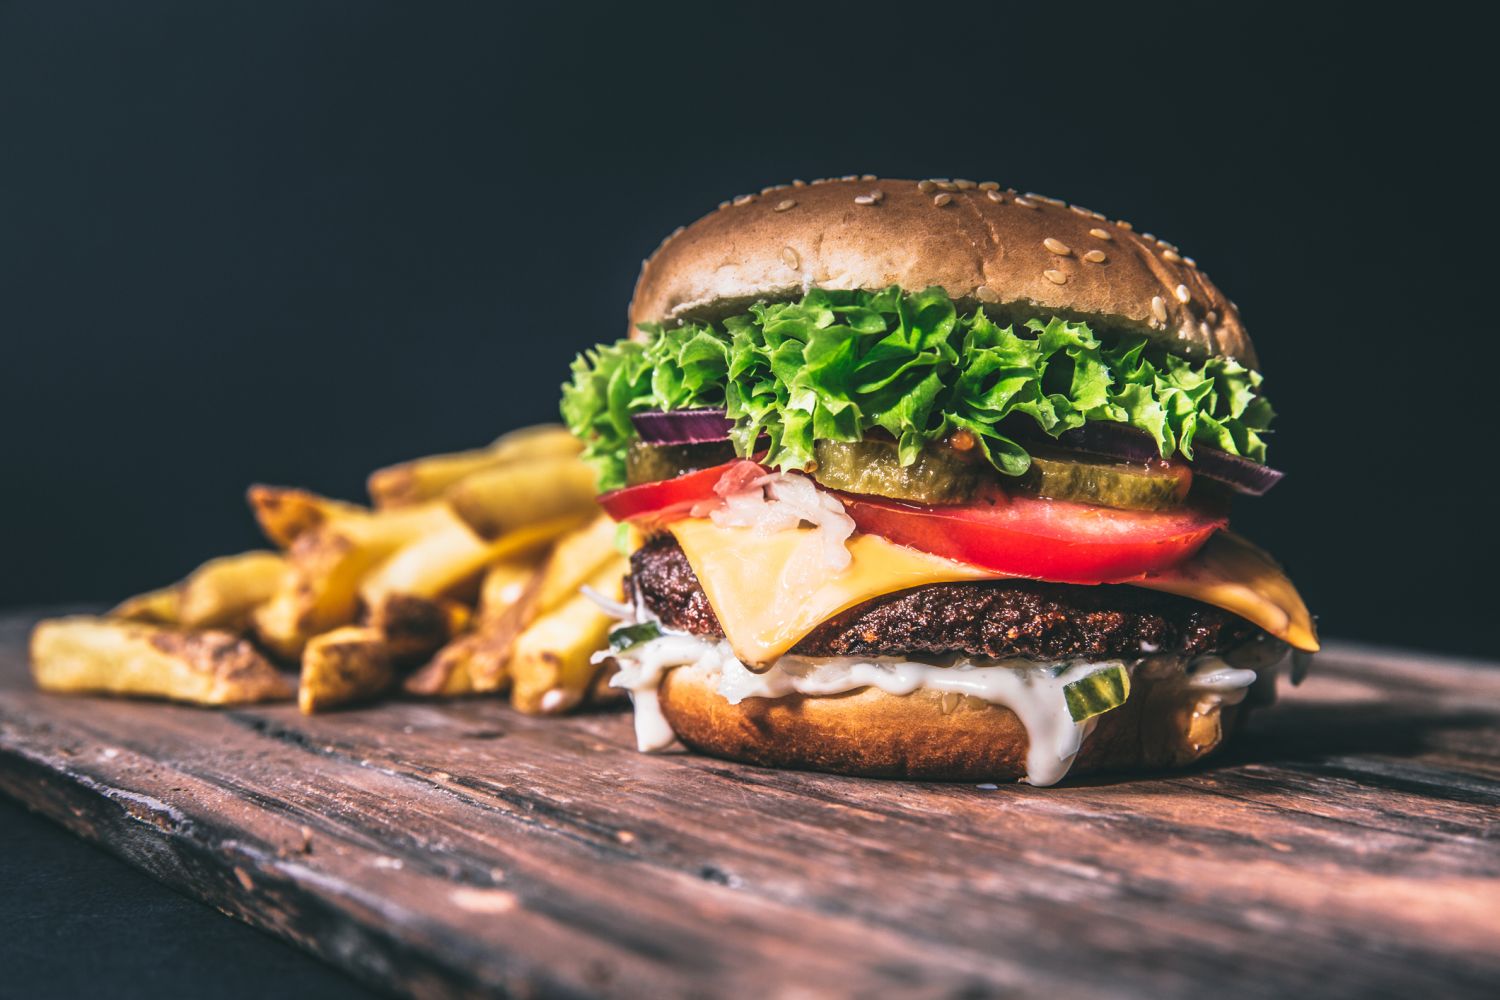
[835, 365]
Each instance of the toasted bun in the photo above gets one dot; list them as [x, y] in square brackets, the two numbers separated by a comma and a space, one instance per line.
[1017, 255]
[923, 735]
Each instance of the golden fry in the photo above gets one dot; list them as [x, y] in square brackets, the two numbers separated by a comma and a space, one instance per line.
[573, 560]
[156, 607]
[321, 590]
[346, 665]
[223, 592]
[84, 655]
[512, 496]
[429, 478]
[284, 513]
[551, 664]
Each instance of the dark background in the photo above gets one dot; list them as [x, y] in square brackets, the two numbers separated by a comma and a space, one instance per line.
[292, 242]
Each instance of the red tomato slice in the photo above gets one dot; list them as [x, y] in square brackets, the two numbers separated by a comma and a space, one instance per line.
[665, 499]
[1019, 536]
[1044, 539]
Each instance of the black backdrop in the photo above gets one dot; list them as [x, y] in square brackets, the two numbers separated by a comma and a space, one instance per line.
[291, 242]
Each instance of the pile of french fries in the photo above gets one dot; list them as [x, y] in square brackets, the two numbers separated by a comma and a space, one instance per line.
[466, 575]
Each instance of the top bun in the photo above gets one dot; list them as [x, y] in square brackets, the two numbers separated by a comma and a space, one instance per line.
[1016, 255]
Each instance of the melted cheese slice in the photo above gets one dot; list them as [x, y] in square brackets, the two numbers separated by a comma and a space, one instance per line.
[769, 591]
[1230, 573]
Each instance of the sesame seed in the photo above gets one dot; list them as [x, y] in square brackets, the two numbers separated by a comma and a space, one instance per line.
[723, 205]
[1054, 202]
[744, 199]
[946, 185]
[867, 177]
[1148, 236]
[1159, 308]
[849, 177]
[964, 185]
[1171, 256]
[782, 206]
[1100, 234]
[790, 258]
[878, 194]
[1080, 210]
[1167, 246]
[1122, 224]
[768, 189]
[993, 194]
[1190, 262]
[1182, 293]
[1021, 200]
[1095, 257]
[1056, 277]
[988, 186]
[799, 183]
[865, 199]
[984, 293]
[926, 187]
[1057, 246]
[942, 199]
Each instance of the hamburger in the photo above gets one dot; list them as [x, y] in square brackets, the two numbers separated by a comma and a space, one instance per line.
[934, 480]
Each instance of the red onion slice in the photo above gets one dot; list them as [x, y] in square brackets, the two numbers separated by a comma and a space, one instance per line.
[681, 426]
[1125, 442]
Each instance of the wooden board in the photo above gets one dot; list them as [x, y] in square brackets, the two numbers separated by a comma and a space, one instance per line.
[1349, 845]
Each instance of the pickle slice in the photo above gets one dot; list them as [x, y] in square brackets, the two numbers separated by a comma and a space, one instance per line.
[1096, 693]
[874, 467]
[1149, 486]
[651, 463]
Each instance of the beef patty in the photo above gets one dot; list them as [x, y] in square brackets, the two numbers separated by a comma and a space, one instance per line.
[997, 618]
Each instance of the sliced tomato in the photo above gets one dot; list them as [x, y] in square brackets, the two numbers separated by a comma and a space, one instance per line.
[1018, 536]
[1043, 539]
[664, 499]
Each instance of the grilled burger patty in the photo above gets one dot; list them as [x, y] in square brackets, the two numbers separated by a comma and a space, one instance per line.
[995, 618]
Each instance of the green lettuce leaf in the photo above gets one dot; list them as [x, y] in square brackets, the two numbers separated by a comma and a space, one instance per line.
[834, 365]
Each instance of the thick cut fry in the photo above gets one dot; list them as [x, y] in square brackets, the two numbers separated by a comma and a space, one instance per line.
[223, 592]
[321, 590]
[442, 562]
[573, 560]
[551, 669]
[157, 607]
[415, 627]
[512, 496]
[347, 665]
[504, 584]
[82, 655]
[429, 478]
[446, 675]
[284, 513]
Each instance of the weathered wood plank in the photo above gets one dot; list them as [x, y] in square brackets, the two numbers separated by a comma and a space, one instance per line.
[1349, 845]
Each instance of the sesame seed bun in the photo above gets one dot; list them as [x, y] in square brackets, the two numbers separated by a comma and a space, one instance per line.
[1016, 255]
[929, 736]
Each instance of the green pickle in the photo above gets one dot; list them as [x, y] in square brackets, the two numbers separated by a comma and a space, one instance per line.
[1156, 486]
[651, 463]
[874, 467]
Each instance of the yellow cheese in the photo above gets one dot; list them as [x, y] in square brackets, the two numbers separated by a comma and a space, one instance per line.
[1232, 574]
[769, 591]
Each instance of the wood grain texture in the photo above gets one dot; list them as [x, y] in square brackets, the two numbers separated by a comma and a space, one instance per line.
[1349, 845]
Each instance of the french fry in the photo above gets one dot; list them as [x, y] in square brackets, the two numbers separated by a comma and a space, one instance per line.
[346, 665]
[507, 497]
[416, 627]
[504, 584]
[443, 561]
[85, 655]
[156, 607]
[573, 560]
[320, 591]
[551, 669]
[429, 478]
[223, 592]
[446, 675]
[284, 513]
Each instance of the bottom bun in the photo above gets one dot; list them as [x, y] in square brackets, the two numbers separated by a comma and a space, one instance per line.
[937, 737]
